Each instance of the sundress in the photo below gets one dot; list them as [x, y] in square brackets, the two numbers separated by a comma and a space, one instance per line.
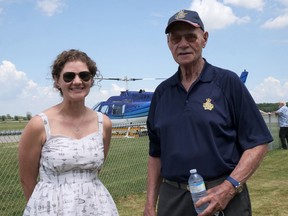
[68, 177]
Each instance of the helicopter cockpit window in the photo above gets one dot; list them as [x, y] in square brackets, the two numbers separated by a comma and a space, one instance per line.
[118, 109]
[104, 109]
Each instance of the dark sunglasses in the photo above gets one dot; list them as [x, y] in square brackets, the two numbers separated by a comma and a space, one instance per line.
[70, 76]
[190, 38]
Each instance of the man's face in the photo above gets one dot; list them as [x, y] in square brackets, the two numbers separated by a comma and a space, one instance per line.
[186, 43]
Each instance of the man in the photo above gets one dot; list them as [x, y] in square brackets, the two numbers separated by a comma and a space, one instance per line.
[203, 118]
[282, 113]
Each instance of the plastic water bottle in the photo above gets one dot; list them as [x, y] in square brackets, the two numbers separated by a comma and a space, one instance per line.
[197, 189]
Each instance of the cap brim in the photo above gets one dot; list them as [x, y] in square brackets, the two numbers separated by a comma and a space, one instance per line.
[168, 28]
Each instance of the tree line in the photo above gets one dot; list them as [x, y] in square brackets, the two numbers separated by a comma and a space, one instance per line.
[8, 117]
[268, 107]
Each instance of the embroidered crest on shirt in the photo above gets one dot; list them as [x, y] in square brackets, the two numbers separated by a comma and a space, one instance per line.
[180, 15]
[208, 105]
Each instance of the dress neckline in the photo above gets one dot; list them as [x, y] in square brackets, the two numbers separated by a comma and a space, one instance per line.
[73, 138]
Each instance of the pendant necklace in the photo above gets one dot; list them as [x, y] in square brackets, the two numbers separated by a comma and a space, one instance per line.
[77, 127]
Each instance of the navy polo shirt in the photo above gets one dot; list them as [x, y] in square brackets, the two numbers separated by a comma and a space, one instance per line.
[207, 128]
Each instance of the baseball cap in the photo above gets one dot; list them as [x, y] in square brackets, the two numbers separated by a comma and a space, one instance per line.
[187, 16]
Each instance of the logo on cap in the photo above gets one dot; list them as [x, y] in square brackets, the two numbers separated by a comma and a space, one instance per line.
[180, 15]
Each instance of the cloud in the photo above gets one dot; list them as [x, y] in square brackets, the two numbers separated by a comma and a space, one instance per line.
[277, 23]
[50, 7]
[270, 90]
[19, 95]
[280, 19]
[216, 15]
[255, 4]
[11, 81]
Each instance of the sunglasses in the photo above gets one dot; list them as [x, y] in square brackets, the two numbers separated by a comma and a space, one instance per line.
[175, 38]
[70, 76]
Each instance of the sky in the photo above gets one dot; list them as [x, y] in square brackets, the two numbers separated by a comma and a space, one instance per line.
[126, 39]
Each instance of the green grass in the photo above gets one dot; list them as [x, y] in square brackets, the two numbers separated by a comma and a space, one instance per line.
[125, 169]
[269, 185]
[268, 189]
[11, 196]
[12, 125]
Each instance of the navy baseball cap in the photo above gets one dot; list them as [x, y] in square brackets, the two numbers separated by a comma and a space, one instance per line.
[187, 16]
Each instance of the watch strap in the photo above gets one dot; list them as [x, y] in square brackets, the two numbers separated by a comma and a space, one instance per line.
[234, 182]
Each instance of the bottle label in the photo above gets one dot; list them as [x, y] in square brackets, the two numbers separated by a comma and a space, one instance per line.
[198, 187]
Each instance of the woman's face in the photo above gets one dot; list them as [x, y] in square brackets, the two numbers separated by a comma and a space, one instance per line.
[75, 80]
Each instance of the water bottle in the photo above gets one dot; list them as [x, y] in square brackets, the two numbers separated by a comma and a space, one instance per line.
[197, 189]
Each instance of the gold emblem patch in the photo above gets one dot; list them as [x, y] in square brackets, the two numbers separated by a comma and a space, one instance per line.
[180, 15]
[208, 105]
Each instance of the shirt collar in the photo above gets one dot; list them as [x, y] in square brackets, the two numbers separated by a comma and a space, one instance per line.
[206, 75]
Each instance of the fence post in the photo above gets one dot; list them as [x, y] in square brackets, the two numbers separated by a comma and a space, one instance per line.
[270, 129]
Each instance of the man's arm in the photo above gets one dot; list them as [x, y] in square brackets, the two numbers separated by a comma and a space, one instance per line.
[154, 180]
[249, 162]
[221, 195]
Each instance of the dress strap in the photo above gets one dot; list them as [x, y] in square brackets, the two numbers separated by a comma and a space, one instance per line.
[46, 125]
[100, 122]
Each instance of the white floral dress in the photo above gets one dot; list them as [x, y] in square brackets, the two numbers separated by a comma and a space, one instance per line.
[68, 177]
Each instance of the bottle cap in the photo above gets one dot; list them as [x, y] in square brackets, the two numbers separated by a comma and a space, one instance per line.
[193, 171]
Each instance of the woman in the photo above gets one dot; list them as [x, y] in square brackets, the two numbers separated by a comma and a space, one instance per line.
[66, 145]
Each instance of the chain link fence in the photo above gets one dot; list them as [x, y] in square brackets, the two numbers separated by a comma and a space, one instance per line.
[124, 171]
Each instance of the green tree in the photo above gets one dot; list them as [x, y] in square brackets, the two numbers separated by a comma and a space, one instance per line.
[3, 117]
[28, 115]
[268, 107]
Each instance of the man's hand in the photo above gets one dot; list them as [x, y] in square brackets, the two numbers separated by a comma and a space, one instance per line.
[218, 198]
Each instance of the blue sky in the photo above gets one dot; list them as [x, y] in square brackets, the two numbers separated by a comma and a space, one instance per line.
[126, 38]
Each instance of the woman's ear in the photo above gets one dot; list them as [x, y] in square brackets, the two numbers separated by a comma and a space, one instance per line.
[56, 82]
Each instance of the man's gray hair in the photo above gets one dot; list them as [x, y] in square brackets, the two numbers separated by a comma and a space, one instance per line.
[282, 103]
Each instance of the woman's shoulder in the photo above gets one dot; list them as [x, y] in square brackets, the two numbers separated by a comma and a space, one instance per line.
[107, 121]
[35, 121]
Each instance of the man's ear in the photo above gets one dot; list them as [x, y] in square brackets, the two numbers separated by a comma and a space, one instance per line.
[205, 36]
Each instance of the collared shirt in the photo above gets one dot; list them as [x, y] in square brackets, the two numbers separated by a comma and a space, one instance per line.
[207, 128]
[283, 116]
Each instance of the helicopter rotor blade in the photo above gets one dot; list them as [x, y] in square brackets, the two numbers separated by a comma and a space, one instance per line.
[153, 78]
[128, 79]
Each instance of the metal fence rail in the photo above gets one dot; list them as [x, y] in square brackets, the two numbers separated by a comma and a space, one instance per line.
[124, 171]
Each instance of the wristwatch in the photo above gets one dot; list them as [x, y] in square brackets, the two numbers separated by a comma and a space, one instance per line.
[237, 185]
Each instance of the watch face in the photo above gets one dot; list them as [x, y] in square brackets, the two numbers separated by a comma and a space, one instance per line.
[239, 189]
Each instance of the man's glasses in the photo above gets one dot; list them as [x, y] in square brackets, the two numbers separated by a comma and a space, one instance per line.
[175, 38]
[70, 76]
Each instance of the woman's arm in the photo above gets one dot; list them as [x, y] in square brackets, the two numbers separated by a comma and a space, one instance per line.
[29, 152]
[107, 133]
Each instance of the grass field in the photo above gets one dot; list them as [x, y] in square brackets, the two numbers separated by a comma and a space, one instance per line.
[12, 125]
[268, 189]
[124, 174]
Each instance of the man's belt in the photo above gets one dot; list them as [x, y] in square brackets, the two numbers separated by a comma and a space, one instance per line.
[177, 184]
[185, 186]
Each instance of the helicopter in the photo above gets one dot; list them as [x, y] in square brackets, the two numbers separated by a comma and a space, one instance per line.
[132, 107]
[128, 108]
